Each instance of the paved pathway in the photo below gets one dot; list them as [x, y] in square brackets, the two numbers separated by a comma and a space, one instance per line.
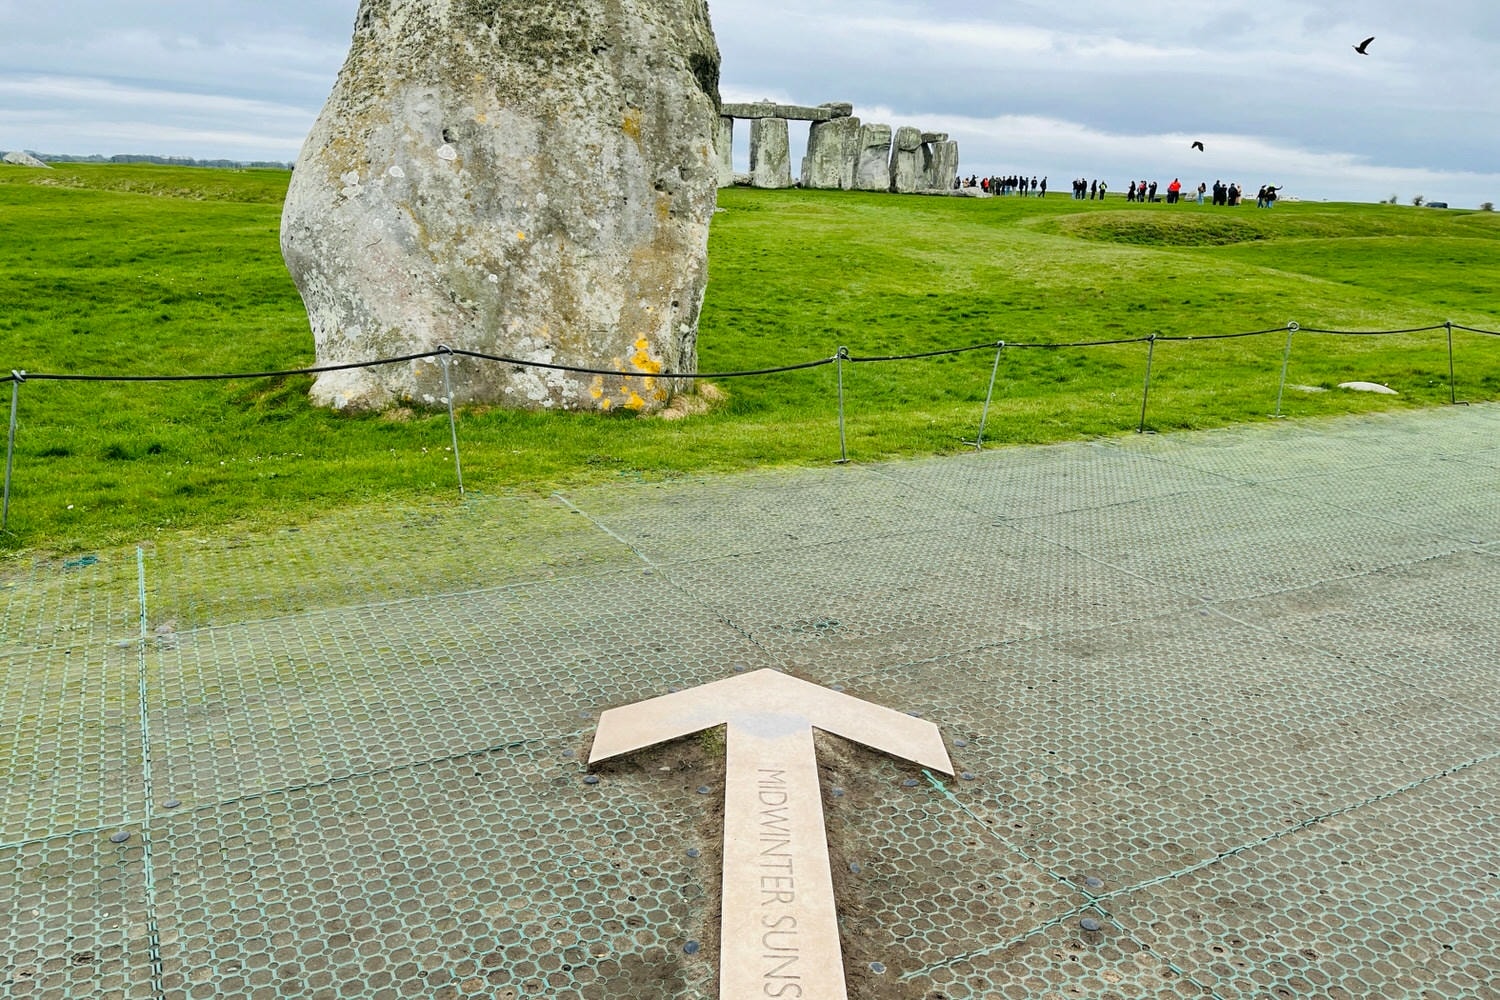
[1232, 698]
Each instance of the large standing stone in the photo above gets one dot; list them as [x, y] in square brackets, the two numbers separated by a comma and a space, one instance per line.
[19, 158]
[906, 160]
[944, 166]
[529, 179]
[832, 154]
[770, 153]
[724, 148]
[873, 170]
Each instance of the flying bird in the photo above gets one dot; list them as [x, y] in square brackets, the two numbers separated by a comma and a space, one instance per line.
[1198, 146]
[1360, 48]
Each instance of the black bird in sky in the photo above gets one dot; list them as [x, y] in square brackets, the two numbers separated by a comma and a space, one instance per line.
[1360, 48]
[1198, 146]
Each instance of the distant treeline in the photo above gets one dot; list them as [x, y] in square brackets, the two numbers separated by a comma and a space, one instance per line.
[172, 161]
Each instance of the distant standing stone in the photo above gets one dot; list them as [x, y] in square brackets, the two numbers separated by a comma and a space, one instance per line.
[942, 168]
[873, 172]
[906, 160]
[832, 154]
[770, 153]
[22, 159]
[521, 178]
[724, 150]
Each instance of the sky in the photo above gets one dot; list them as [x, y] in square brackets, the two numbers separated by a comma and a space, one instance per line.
[1101, 89]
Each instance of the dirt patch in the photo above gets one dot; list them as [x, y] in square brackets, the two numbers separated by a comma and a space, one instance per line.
[692, 404]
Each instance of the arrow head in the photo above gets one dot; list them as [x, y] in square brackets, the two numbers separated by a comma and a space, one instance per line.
[769, 702]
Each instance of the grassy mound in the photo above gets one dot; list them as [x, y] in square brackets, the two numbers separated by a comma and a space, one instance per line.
[1174, 228]
[1191, 225]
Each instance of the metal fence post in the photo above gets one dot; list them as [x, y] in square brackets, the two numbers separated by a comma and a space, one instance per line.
[1286, 359]
[16, 378]
[840, 358]
[1452, 384]
[1146, 392]
[458, 465]
[988, 396]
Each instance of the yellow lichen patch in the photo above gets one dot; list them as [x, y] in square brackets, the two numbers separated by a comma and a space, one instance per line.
[632, 124]
[521, 236]
[642, 361]
[597, 389]
[634, 402]
[605, 404]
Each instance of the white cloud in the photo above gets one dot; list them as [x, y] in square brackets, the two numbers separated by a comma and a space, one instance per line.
[1040, 145]
[84, 91]
[1091, 87]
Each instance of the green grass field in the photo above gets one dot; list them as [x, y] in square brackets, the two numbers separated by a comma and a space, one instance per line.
[149, 270]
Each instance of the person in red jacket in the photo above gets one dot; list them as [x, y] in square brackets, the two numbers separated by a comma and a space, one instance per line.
[1174, 189]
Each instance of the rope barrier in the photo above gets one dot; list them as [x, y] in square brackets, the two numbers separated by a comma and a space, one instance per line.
[442, 352]
[1224, 336]
[927, 354]
[1375, 333]
[23, 376]
[1081, 343]
[521, 362]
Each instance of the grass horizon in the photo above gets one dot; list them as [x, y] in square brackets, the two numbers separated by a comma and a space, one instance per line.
[169, 271]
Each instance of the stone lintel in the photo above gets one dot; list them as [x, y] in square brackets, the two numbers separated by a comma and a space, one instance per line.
[792, 112]
[934, 136]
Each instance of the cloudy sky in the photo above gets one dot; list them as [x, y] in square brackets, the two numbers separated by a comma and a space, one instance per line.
[1112, 89]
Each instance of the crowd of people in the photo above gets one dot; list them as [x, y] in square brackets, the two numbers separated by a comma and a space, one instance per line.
[1014, 184]
[1087, 190]
[1143, 191]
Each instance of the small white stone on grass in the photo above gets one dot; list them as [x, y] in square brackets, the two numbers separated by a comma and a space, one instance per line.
[1384, 390]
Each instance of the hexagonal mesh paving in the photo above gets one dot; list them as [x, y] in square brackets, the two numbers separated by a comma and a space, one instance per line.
[1224, 708]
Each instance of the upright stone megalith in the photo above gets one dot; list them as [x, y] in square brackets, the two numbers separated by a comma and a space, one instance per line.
[873, 170]
[832, 154]
[514, 177]
[770, 153]
[944, 165]
[906, 160]
[724, 148]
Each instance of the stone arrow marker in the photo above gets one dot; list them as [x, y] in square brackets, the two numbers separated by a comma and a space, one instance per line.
[780, 936]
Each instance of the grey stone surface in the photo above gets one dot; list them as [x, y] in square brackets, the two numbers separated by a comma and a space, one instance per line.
[906, 161]
[724, 150]
[942, 166]
[872, 173]
[832, 154]
[523, 179]
[934, 136]
[770, 153]
[24, 159]
[794, 112]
